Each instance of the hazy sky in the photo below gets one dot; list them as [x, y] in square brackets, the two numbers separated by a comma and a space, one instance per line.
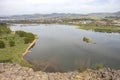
[12, 7]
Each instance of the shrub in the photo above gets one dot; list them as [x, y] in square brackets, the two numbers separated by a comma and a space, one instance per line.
[26, 40]
[86, 39]
[97, 66]
[2, 44]
[4, 28]
[30, 36]
[21, 33]
[11, 43]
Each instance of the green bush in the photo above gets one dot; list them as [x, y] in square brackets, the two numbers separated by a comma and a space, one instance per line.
[26, 40]
[11, 43]
[30, 36]
[85, 39]
[2, 44]
[4, 28]
[21, 33]
[97, 66]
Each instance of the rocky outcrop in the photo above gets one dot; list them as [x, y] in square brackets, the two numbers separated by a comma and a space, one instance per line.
[12, 71]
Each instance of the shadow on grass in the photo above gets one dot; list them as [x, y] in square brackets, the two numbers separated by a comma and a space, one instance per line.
[6, 60]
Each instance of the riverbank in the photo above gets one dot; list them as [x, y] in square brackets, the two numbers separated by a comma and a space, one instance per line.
[96, 27]
[11, 71]
[28, 48]
[15, 53]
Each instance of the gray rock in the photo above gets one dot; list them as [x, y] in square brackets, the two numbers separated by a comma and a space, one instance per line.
[13, 71]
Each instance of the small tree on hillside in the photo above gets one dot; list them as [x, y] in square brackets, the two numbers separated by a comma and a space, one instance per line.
[30, 36]
[11, 43]
[2, 44]
[21, 33]
[26, 40]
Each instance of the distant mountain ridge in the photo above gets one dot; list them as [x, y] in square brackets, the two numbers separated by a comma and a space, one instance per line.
[54, 15]
[117, 13]
[105, 14]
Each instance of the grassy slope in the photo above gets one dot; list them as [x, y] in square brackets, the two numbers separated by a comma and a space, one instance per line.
[13, 54]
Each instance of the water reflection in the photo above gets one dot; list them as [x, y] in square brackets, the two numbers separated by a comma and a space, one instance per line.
[61, 48]
[82, 64]
[48, 65]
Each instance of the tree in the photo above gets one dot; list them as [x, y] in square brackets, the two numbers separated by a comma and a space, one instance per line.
[2, 44]
[11, 43]
[26, 40]
[21, 33]
[4, 28]
[30, 36]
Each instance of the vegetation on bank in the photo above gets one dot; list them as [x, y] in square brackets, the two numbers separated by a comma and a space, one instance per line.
[108, 25]
[96, 27]
[97, 66]
[100, 28]
[13, 45]
[2, 44]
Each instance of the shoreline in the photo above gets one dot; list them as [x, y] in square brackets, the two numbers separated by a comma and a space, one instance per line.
[28, 48]
[26, 51]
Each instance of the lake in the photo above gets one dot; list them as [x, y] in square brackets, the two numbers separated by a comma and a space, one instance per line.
[61, 48]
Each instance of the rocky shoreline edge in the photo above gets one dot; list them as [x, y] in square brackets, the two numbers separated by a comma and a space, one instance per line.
[12, 71]
[26, 51]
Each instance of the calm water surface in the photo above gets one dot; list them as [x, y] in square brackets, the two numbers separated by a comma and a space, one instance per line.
[61, 48]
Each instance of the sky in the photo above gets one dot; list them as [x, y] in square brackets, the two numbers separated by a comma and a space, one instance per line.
[18, 7]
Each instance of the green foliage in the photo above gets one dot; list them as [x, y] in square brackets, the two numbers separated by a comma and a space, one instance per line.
[97, 66]
[21, 33]
[97, 27]
[13, 54]
[2, 44]
[4, 28]
[30, 36]
[26, 40]
[100, 28]
[86, 39]
[11, 43]
[6, 61]
[3, 24]
[8, 53]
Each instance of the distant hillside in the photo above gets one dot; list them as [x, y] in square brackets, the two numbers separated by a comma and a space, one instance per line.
[57, 15]
[116, 14]
[37, 16]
